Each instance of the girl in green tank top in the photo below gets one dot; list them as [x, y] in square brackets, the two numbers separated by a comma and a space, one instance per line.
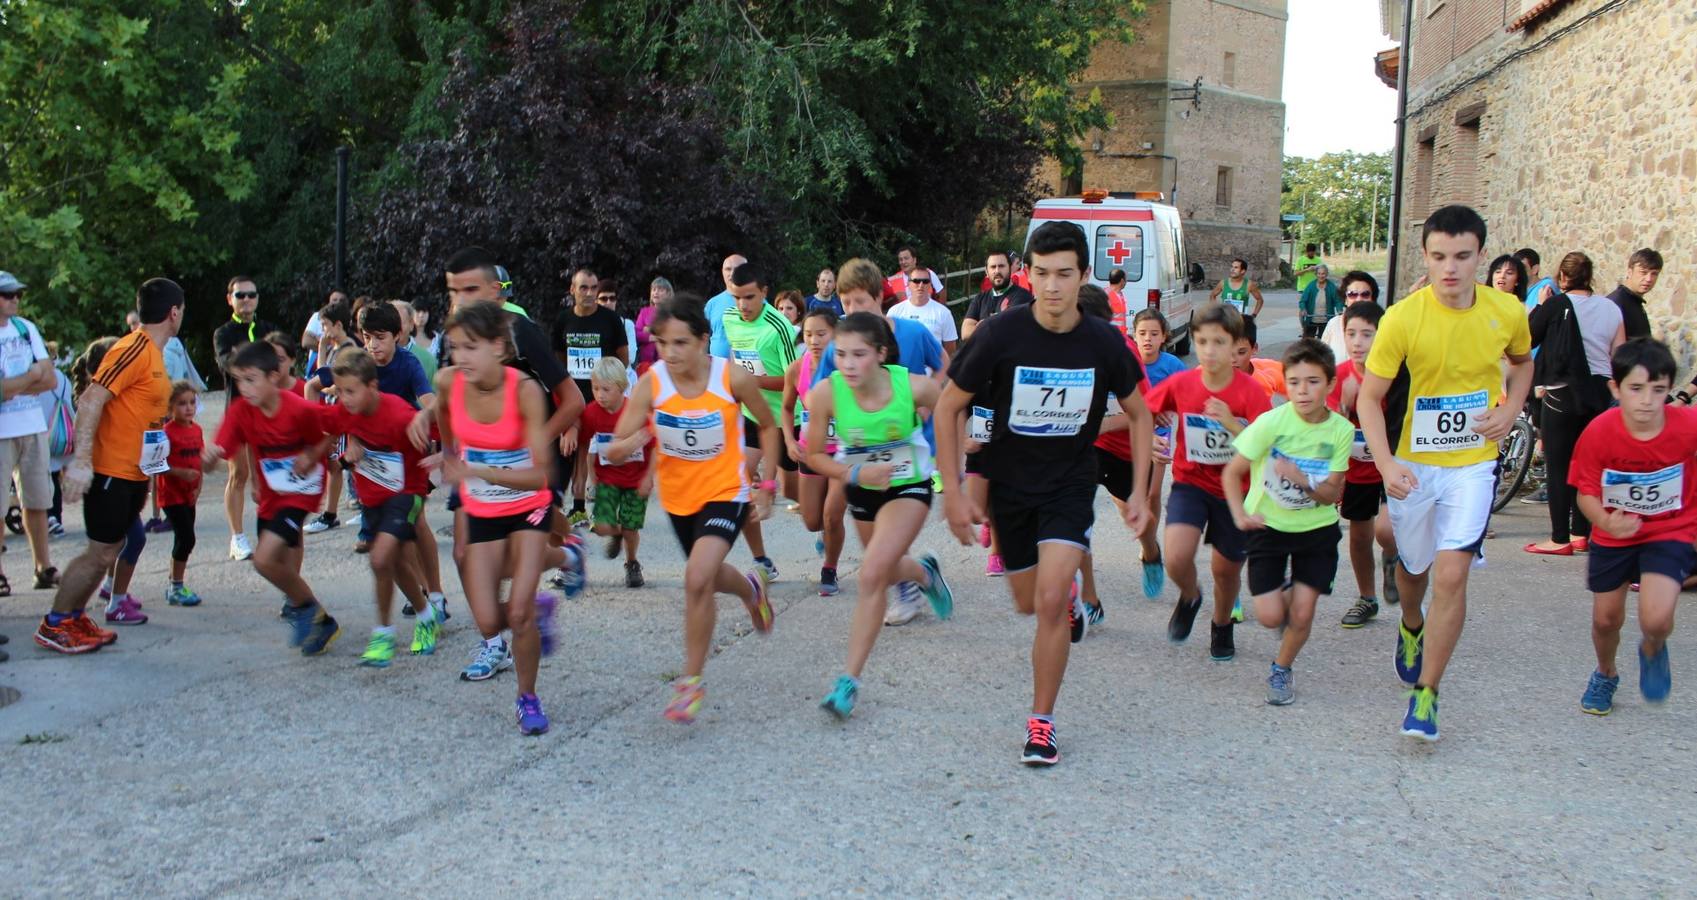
[883, 459]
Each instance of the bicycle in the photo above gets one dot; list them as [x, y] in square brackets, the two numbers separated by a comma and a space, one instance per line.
[1514, 460]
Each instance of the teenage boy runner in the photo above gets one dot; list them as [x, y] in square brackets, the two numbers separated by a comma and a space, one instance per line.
[1299, 453]
[1363, 489]
[1637, 483]
[583, 334]
[1435, 444]
[1049, 370]
[1211, 403]
[283, 432]
[762, 342]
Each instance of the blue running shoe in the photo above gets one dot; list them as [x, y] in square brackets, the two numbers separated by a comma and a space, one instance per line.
[828, 582]
[1655, 678]
[546, 603]
[1237, 610]
[300, 622]
[1599, 696]
[1094, 615]
[532, 720]
[1154, 579]
[1422, 719]
[487, 661]
[819, 546]
[1410, 653]
[573, 575]
[840, 702]
[321, 634]
[938, 592]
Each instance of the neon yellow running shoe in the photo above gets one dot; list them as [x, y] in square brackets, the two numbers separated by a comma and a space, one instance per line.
[687, 697]
[424, 632]
[380, 652]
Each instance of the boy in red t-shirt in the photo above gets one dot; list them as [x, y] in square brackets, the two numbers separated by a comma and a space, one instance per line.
[1636, 475]
[621, 491]
[1364, 489]
[178, 487]
[392, 483]
[1213, 402]
[283, 433]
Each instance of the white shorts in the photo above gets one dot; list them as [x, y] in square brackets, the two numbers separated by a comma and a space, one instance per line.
[1449, 511]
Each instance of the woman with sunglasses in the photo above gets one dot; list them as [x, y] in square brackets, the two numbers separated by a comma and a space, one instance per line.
[1356, 287]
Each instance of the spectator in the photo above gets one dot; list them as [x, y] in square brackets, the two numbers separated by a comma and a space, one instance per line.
[607, 297]
[659, 291]
[1508, 274]
[409, 320]
[244, 327]
[1313, 317]
[789, 304]
[721, 303]
[1538, 289]
[59, 408]
[1307, 266]
[920, 308]
[895, 287]
[825, 293]
[1642, 270]
[26, 369]
[1357, 286]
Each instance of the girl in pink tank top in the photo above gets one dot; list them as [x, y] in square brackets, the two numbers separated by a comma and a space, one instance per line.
[823, 500]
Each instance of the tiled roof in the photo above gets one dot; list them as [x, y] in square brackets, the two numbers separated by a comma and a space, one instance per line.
[1539, 10]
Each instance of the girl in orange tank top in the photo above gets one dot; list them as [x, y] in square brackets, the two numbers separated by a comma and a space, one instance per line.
[689, 402]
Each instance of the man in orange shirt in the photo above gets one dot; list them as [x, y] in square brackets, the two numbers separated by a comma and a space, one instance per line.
[120, 445]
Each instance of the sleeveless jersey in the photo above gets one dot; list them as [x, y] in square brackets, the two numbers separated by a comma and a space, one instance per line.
[700, 442]
[1235, 296]
[892, 435]
[500, 444]
[804, 377]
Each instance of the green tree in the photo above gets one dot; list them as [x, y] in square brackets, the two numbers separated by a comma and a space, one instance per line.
[1336, 194]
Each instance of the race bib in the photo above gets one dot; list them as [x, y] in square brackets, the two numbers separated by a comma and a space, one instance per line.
[155, 452]
[1239, 305]
[280, 475]
[1645, 493]
[1446, 423]
[581, 361]
[1206, 441]
[1113, 408]
[978, 424]
[695, 437]
[383, 468]
[802, 418]
[602, 441]
[482, 490]
[750, 360]
[1285, 492]
[898, 455]
[1050, 402]
[1358, 449]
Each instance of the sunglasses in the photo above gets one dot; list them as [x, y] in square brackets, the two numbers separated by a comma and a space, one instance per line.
[246, 295]
[1359, 295]
[10, 295]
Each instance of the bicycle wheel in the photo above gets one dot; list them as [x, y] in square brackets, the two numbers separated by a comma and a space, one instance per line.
[1514, 459]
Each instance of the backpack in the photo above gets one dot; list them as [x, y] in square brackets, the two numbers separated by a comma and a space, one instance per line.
[61, 420]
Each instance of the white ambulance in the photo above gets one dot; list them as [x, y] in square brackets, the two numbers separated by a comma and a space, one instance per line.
[1142, 235]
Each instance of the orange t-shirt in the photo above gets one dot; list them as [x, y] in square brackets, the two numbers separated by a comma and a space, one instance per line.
[1270, 375]
[134, 371]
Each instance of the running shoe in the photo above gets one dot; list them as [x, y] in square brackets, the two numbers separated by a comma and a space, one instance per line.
[760, 608]
[1410, 653]
[362, 546]
[578, 518]
[906, 606]
[182, 596]
[546, 603]
[574, 575]
[1655, 676]
[993, 566]
[128, 612]
[1542, 495]
[380, 651]
[532, 720]
[1237, 610]
[425, 631]
[1184, 617]
[300, 622]
[156, 525]
[1280, 690]
[1599, 697]
[407, 610]
[765, 562]
[633, 574]
[687, 697]
[487, 661]
[1095, 614]
[984, 535]
[324, 522]
[439, 602]
[1040, 746]
[828, 586]
[840, 702]
[55, 528]
[938, 592]
[1422, 719]
[819, 546]
[240, 549]
[1078, 621]
[1154, 579]
[615, 546]
[322, 633]
[83, 623]
[1361, 613]
[66, 638]
[1388, 568]
[1221, 647]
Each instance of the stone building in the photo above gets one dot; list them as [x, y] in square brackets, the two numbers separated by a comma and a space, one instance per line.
[1198, 115]
[1567, 123]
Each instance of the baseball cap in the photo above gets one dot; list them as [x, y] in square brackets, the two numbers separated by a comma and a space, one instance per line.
[10, 282]
[505, 281]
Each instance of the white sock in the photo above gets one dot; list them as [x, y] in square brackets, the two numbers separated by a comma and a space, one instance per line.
[112, 604]
[495, 641]
[384, 629]
[106, 584]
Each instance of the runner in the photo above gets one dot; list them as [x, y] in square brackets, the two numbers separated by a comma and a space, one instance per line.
[1449, 337]
[244, 327]
[282, 432]
[179, 487]
[335, 320]
[822, 499]
[919, 307]
[1633, 469]
[1113, 468]
[1268, 374]
[1149, 332]
[1049, 370]
[119, 446]
[1363, 489]
[583, 334]
[1299, 453]
[1236, 289]
[762, 343]
[494, 426]
[621, 491]
[883, 460]
[1211, 404]
[690, 402]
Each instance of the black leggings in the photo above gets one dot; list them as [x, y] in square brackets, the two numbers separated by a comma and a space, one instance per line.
[182, 530]
[1562, 423]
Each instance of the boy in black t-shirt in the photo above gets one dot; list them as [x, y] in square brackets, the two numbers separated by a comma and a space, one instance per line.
[1048, 370]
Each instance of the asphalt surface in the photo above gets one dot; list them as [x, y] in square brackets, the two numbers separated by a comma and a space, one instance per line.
[200, 756]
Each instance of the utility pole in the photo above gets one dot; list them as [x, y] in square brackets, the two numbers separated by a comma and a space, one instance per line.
[1373, 227]
[341, 216]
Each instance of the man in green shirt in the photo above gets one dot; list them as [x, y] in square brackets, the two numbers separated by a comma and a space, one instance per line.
[1305, 266]
[763, 342]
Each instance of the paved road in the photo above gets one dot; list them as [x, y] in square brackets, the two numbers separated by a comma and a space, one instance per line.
[199, 756]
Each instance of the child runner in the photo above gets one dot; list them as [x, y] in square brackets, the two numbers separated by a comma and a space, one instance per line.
[621, 491]
[1299, 453]
[336, 320]
[282, 431]
[1363, 490]
[1049, 370]
[1113, 468]
[1149, 331]
[1212, 403]
[1436, 443]
[179, 487]
[494, 431]
[391, 483]
[1269, 374]
[822, 500]
[689, 402]
[763, 343]
[883, 459]
[1637, 483]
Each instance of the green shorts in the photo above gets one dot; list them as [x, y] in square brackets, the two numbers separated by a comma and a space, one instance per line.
[620, 507]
